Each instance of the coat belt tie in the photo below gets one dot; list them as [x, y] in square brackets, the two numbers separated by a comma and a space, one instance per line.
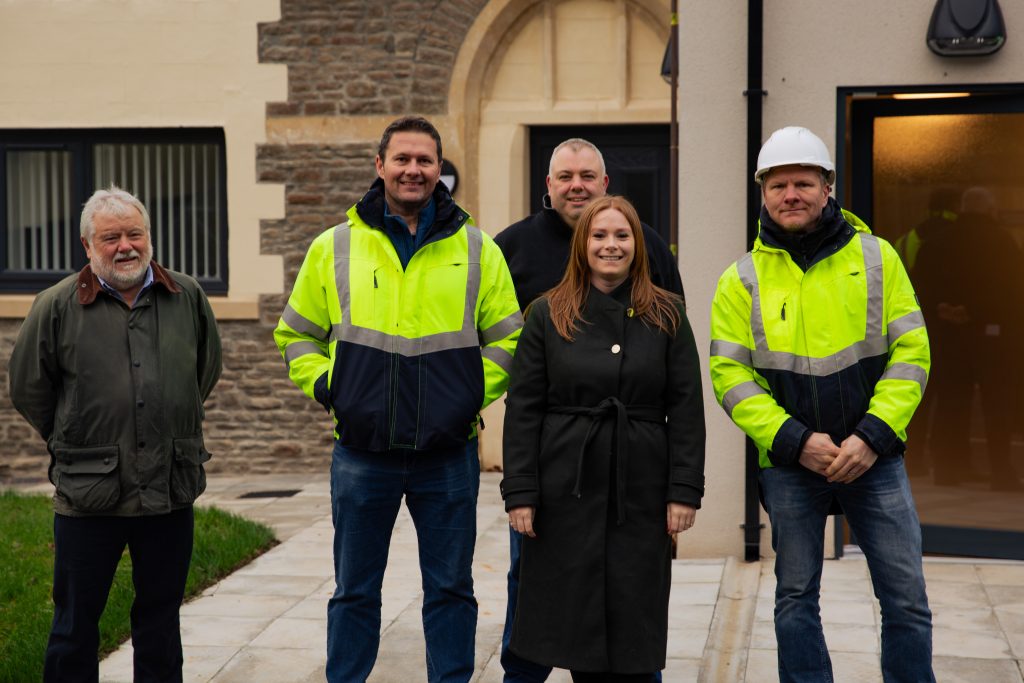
[623, 414]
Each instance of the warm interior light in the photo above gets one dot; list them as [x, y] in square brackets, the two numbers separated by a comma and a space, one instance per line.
[928, 95]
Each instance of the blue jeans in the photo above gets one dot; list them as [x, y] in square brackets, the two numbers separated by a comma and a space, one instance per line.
[880, 510]
[440, 490]
[517, 669]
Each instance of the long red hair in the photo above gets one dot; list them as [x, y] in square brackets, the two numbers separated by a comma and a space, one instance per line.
[654, 305]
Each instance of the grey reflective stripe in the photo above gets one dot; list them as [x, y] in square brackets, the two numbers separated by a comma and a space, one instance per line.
[498, 356]
[748, 276]
[502, 329]
[302, 348]
[732, 351]
[475, 241]
[820, 367]
[392, 343]
[876, 295]
[906, 323]
[303, 325]
[739, 393]
[907, 371]
[342, 252]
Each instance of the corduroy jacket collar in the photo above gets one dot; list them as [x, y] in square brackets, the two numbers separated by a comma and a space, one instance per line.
[89, 285]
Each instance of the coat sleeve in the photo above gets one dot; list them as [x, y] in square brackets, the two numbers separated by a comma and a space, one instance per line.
[525, 408]
[208, 355]
[900, 388]
[499, 321]
[34, 375]
[684, 402]
[742, 392]
[303, 332]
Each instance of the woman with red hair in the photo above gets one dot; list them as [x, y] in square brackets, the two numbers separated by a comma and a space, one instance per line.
[603, 456]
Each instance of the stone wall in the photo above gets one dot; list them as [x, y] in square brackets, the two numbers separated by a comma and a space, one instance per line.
[366, 57]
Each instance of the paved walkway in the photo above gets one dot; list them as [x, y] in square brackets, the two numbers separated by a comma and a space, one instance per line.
[266, 623]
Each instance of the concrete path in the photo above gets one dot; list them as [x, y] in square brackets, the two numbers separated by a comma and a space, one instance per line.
[266, 623]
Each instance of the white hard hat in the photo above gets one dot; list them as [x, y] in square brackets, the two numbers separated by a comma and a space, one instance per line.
[794, 145]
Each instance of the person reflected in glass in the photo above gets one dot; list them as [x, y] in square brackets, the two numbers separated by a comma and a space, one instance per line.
[971, 294]
[943, 210]
[603, 456]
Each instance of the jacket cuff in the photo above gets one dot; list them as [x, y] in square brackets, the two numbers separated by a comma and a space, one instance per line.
[519, 490]
[321, 393]
[788, 443]
[880, 436]
[686, 486]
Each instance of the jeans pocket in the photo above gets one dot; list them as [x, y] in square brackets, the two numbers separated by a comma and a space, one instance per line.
[188, 478]
[87, 477]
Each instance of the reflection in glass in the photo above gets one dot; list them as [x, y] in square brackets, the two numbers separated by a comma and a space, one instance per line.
[949, 195]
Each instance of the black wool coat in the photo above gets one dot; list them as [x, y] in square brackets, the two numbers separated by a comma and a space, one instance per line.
[600, 434]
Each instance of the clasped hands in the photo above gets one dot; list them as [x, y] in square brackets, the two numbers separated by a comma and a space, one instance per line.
[842, 463]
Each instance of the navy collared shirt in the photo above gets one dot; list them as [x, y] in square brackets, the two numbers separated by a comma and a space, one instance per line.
[406, 244]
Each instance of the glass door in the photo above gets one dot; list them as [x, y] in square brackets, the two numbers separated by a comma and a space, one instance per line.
[941, 177]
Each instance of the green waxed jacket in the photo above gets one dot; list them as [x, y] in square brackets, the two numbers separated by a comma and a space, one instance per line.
[118, 393]
[839, 347]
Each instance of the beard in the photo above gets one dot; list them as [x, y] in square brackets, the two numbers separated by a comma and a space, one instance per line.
[121, 279]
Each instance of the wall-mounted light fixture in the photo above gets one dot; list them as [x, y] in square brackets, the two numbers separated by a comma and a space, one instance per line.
[966, 28]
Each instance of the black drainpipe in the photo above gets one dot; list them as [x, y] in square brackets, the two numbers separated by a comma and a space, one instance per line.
[754, 93]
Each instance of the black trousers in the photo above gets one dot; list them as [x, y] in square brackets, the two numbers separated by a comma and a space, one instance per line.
[87, 551]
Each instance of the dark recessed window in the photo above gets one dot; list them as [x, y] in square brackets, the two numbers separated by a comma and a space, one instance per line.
[47, 175]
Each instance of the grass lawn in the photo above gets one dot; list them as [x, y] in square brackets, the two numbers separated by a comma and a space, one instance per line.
[223, 542]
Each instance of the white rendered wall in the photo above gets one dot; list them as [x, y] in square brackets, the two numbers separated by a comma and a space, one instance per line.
[141, 63]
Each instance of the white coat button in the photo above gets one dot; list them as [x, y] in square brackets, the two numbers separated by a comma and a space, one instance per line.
[616, 348]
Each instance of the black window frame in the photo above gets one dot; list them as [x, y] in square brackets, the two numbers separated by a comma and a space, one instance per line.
[81, 142]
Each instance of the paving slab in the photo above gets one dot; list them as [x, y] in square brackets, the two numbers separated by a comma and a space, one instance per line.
[266, 623]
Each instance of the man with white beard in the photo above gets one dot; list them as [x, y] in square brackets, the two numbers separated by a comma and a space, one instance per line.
[111, 367]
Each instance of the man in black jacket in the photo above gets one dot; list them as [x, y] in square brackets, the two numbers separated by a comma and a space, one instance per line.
[537, 250]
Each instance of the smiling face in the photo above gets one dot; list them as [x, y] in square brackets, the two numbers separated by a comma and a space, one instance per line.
[410, 171]
[575, 179]
[610, 249]
[119, 249]
[795, 196]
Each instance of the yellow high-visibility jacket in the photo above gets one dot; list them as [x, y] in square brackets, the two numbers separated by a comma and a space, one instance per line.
[404, 358]
[840, 348]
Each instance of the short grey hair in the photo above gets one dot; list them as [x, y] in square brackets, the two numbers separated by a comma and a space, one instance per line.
[113, 201]
[576, 144]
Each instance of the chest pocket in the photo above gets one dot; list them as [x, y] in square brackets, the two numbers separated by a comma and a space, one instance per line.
[780, 313]
[441, 297]
[373, 288]
[844, 300]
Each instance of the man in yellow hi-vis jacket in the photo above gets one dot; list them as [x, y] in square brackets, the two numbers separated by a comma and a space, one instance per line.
[402, 323]
[819, 353]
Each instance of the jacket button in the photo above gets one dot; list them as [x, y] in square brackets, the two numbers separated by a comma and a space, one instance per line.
[140, 403]
[616, 348]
